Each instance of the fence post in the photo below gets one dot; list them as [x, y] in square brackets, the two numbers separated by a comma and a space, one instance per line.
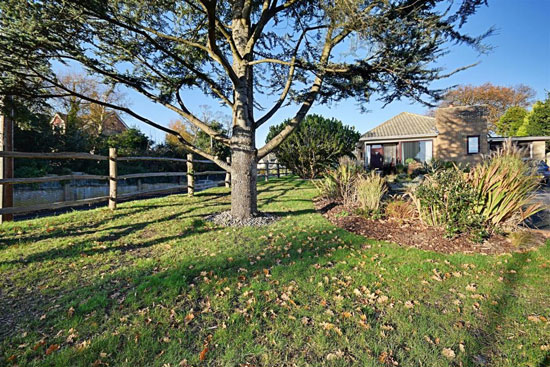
[267, 170]
[67, 193]
[190, 177]
[228, 174]
[278, 170]
[6, 164]
[112, 178]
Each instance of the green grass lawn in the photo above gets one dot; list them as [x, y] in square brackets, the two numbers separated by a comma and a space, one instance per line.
[153, 284]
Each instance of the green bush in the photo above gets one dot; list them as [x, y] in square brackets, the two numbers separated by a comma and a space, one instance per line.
[316, 145]
[504, 186]
[370, 190]
[340, 183]
[400, 168]
[446, 199]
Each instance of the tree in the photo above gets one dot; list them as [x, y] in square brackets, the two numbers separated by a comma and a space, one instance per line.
[131, 142]
[537, 121]
[199, 138]
[32, 133]
[316, 144]
[511, 121]
[497, 98]
[87, 114]
[238, 52]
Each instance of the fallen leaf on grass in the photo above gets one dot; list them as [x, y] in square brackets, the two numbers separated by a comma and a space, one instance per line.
[202, 355]
[52, 348]
[189, 317]
[329, 326]
[336, 355]
[39, 344]
[471, 287]
[448, 353]
[535, 318]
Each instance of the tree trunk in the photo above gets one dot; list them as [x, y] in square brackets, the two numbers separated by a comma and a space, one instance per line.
[244, 157]
[244, 174]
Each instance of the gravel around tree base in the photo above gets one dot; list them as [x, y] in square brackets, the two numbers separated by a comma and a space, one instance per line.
[259, 219]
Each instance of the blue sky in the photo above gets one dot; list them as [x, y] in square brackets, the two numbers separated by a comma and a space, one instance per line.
[521, 55]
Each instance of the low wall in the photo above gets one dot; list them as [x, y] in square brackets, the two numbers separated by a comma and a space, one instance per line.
[52, 192]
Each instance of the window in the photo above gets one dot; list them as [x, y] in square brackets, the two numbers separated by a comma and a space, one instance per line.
[473, 144]
[418, 150]
[390, 154]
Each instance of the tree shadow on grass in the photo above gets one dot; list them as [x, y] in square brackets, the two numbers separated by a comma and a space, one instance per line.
[30, 305]
[78, 249]
[86, 229]
[487, 338]
[186, 271]
[278, 191]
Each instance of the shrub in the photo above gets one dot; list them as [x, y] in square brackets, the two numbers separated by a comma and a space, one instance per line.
[400, 210]
[414, 168]
[327, 187]
[446, 199]
[504, 186]
[524, 239]
[315, 145]
[521, 238]
[340, 183]
[438, 164]
[400, 168]
[370, 190]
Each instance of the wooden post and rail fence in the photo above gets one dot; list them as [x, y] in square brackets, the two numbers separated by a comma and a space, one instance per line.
[7, 210]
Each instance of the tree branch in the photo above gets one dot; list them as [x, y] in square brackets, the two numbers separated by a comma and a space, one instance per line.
[306, 105]
[183, 112]
[130, 112]
[289, 80]
[210, 8]
[213, 85]
[267, 14]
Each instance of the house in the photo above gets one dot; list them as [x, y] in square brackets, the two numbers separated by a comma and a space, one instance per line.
[457, 134]
[110, 125]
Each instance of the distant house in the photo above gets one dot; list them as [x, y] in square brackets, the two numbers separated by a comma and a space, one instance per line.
[112, 123]
[458, 134]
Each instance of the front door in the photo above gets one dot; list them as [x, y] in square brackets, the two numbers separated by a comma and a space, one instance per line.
[376, 156]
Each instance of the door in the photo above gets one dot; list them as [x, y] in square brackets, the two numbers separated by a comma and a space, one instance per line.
[376, 156]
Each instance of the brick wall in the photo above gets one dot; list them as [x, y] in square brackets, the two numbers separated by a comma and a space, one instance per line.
[454, 125]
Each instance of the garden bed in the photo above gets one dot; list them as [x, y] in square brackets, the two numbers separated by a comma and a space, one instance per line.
[413, 233]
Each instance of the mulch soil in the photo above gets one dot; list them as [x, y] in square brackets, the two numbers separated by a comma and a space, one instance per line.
[414, 233]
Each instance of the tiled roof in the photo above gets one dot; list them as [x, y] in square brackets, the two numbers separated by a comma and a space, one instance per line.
[403, 125]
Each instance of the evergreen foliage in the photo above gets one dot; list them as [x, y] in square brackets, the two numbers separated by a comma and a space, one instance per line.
[316, 145]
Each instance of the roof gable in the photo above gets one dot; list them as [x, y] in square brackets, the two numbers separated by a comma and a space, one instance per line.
[403, 125]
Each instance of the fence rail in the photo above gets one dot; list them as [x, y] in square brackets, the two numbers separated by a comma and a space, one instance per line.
[113, 178]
